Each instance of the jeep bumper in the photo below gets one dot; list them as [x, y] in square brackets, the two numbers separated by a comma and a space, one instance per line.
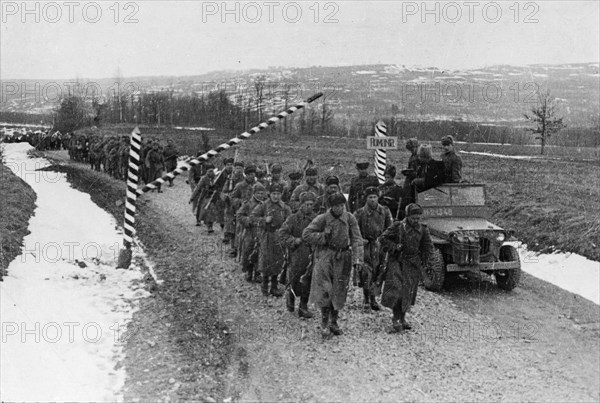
[488, 266]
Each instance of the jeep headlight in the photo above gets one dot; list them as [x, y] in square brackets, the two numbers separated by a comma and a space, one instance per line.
[500, 237]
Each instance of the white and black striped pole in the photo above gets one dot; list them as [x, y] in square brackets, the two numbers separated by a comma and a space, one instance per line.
[380, 155]
[234, 141]
[135, 146]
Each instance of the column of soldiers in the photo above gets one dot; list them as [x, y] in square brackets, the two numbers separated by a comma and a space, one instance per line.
[306, 236]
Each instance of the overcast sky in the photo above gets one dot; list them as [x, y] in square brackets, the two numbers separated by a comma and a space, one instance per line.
[194, 37]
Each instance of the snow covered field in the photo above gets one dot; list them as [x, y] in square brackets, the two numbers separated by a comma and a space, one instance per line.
[63, 324]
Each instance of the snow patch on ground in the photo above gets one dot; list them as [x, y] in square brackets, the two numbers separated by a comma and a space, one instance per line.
[568, 271]
[63, 324]
[512, 157]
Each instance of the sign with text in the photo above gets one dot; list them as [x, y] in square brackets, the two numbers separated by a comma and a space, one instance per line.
[382, 143]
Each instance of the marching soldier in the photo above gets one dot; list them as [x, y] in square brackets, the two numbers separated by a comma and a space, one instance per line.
[372, 219]
[310, 185]
[409, 245]
[155, 164]
[233, 179]
[123, 157]
[332, 186]
[203, 199]
[248, 239]
[170, 156]
[332, 235]
[242, 192]
[391, 193]
[276, 170]
[295, 178]
[299, 254]
[271, 215]
[195, 173]
[358, 185]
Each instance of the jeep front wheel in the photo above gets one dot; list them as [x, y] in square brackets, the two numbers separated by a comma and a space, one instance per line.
[435, 271]
[508, 279]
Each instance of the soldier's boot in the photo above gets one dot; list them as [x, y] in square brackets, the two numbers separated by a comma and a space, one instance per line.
[275, 291]
[257, 277]
[335, 329]
[210, 227]
[374, 305]
[366, 304]
[233, 252]
[290, 300]
[325, 329]
[396, 325]
[303, 311]
[264, 286]
[405, 324]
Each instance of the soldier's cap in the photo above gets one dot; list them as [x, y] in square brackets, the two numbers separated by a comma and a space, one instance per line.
[276, 188]
[336, 199]
[371, 190]
[391, 171]
[228, 161]
[238, 164]
[209, 166]
[295, 176]
[258, 187]
[412, 209]
[311, 172]
[307, 196]
[362, 165]
[276, 169]
[250, 169]
[332, 180]
[447, 140]
[412, 144]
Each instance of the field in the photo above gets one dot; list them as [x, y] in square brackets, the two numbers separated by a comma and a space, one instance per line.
[552, 201]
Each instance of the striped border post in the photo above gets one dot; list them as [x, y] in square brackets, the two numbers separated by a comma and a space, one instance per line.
[135, 146]
[234, 141]
[380, 155]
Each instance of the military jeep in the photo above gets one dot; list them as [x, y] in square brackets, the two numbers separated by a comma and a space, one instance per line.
[464, 240]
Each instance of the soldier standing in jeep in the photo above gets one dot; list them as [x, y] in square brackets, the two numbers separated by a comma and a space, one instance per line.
[452, 161]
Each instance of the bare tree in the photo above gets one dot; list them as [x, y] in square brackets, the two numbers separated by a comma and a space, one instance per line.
[544, 115]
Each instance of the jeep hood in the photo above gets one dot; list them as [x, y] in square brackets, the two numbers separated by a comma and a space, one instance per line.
[447, 225]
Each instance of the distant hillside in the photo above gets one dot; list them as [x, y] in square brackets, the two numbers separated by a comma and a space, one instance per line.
[497, 94]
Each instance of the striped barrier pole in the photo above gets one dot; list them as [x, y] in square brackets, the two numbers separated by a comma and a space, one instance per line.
[135, 146]
[234, 141]
[380, 155]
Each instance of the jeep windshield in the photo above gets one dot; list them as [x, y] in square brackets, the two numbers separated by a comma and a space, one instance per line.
[453, 195]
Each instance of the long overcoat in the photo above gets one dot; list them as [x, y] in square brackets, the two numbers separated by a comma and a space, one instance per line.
[249, 235]
[203, 199]
[299, 255]
[408, 247]
[372, 223]
[337, 245]
[271, 252]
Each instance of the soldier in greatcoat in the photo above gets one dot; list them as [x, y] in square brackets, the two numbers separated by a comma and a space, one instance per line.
[373, 219]
[409, 246]
[338, 245]
[358, 185]
[233, 179]
[271, 215]
[242, 192]
[203, 199]
[170, 154]
[310, 185]
[295, 178]
[390, 192]
[299, 254]
[332, 186]
[248, 238]
[155, 164]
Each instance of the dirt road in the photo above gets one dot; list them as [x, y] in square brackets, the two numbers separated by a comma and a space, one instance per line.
[206, 334]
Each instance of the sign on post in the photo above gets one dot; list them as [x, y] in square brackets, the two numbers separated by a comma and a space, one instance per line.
[382, 143]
